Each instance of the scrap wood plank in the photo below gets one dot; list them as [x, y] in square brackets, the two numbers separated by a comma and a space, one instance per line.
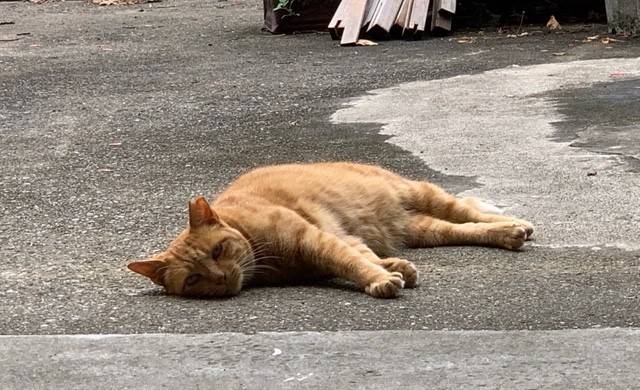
[443, 19]
[352, 21]
[439, 21]
[386, 15]
[335, 25]
[404, 15]
[407, 17]
[373, 6]
[448, 6]
[419, 13]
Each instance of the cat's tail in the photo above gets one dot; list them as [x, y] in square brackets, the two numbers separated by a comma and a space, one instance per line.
[482, 206]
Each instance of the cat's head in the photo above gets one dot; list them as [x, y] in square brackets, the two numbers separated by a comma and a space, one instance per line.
[208, 259]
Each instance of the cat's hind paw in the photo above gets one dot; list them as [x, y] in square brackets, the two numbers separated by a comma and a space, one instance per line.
[406, 268]
[387, 286]
[528, 227]
[508, 235]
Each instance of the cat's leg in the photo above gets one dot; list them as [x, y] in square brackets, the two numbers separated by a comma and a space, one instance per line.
[425, 231]
[489, 213]
[392, 264]
[432, 200]
[331, 255]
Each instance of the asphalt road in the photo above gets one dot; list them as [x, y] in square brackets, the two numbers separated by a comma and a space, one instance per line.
[112, 118]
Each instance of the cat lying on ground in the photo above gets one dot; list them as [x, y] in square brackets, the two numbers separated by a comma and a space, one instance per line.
[295, 223]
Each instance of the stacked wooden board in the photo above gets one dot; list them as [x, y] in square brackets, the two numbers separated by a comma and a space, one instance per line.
[407, 17]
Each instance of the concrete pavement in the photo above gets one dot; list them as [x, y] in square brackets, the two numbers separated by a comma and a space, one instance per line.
[568, 359]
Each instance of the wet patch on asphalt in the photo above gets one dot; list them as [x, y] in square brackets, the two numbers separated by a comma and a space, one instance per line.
[603, 118]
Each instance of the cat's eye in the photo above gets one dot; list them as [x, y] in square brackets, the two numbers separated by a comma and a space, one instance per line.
[192, 279]
[216, 252]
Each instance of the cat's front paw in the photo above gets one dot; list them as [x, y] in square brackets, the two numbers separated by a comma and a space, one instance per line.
[386, 286]
[406, 268]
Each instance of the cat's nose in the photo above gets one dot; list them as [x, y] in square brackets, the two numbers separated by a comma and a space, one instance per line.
[217, 274]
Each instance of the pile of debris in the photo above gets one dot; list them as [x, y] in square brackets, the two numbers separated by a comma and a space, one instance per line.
[404, 17]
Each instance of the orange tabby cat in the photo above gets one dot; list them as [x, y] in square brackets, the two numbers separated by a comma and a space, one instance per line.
[294, 223]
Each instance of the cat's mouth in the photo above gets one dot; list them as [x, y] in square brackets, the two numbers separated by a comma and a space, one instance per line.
[234, 291]
[234, 285]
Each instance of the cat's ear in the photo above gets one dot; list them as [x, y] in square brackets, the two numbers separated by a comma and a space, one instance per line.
[201, 214]
[153, 269]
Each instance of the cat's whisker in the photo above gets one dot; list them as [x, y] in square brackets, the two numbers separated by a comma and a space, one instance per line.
[268, 258]
[245, 264]
[247, 256]
[255, 243]
[250, 256]
[261, 245]
[264, 267]
[245, 253]
[260, 252]
[263, 271]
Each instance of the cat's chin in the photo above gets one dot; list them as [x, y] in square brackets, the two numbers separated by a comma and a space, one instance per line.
[213, 295]
[235, 290]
